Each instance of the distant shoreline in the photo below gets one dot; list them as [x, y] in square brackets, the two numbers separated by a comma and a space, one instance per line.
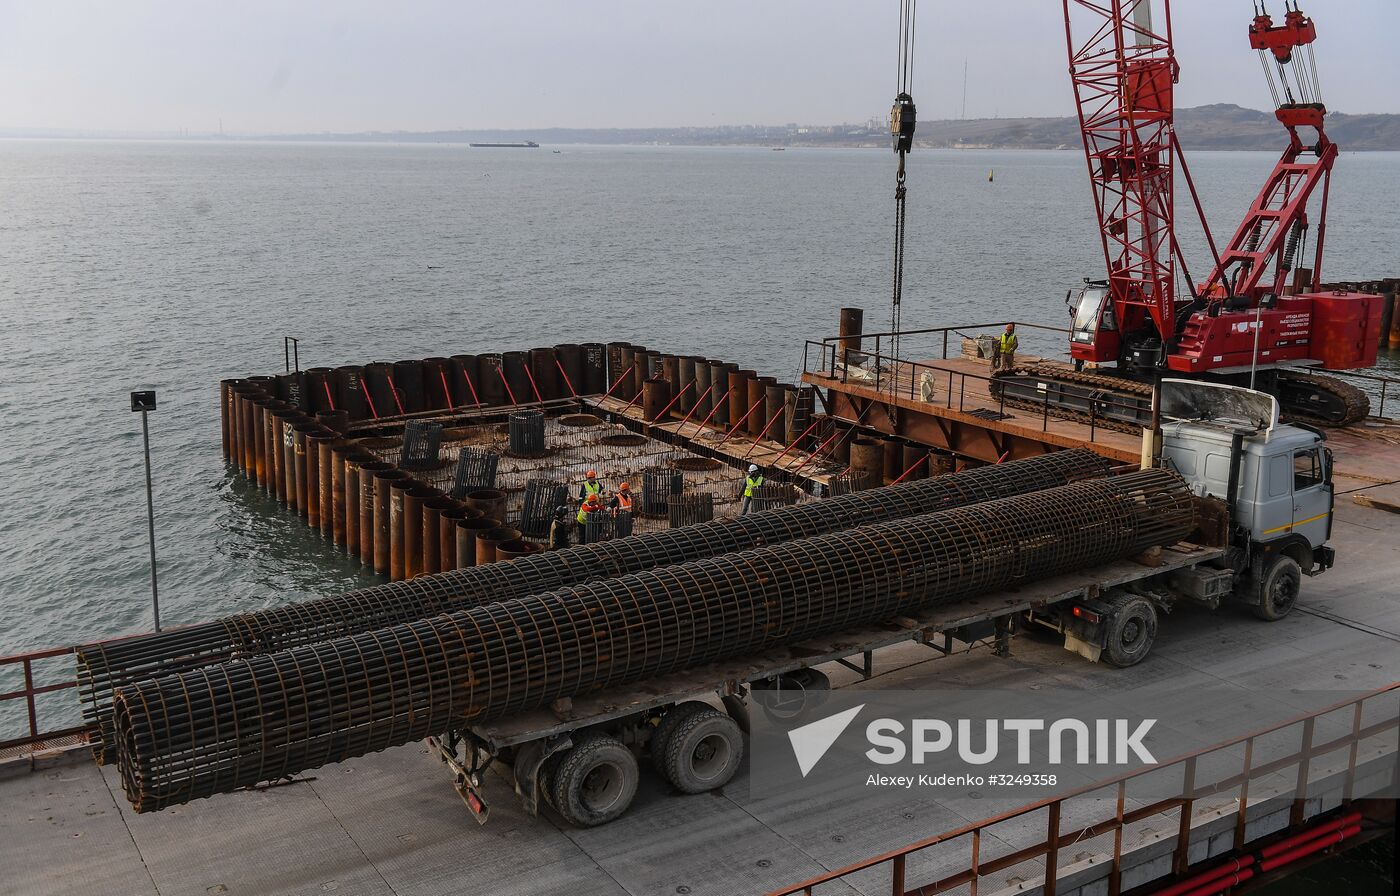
[1217, 127]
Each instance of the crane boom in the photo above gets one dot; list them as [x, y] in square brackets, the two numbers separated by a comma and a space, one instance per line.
[1123, 71]
[1263, 250]
[1246, 323]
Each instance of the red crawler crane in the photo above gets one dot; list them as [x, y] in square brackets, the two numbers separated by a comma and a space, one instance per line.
[1246, 323]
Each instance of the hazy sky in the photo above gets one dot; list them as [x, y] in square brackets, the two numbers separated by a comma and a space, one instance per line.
[349, 65]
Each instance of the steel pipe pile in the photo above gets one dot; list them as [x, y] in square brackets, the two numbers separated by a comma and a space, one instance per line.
[107, 665]
[188, 736]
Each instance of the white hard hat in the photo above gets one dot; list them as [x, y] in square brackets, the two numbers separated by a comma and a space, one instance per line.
[753, 468]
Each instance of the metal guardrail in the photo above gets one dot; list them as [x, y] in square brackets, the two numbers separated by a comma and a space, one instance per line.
[969, 838]
[888, 372]
[1389, 387]
[39, 735]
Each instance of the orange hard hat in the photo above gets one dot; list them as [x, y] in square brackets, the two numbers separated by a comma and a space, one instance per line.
[591, 474]
[592, 501]
[623, 487]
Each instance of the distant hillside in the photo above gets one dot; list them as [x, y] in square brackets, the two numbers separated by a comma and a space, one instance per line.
[1220, 126]
[1203, 127]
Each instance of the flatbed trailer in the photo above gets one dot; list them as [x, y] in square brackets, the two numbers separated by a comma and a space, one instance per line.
[532, 742]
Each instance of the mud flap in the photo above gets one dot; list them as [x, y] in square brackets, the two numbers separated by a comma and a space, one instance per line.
[1090, 652]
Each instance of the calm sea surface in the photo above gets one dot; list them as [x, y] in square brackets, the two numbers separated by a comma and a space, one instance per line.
[170, 266]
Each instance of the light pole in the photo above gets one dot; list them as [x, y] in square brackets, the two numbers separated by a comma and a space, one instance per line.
[145, 402]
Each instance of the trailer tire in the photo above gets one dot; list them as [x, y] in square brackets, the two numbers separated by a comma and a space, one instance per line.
[661, 737]
[595, 781]
[1276, 591]
[1132, 628]
[703, 752]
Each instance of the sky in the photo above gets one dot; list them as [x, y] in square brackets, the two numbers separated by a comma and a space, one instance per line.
[307, 66]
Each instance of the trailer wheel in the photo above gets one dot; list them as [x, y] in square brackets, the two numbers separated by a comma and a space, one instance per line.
[595, 781]
[703, 752]
[1132, 627]
[661, 737]
[1277, 590]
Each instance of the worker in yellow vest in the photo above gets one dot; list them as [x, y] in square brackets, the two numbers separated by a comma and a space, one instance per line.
[591, 488]
[622, 501]
[590, 506]
[1004, 358]
[751, 481]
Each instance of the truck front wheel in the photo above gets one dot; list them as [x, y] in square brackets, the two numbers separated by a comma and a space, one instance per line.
[595, 781]
[1132, 627]
[1277, 590]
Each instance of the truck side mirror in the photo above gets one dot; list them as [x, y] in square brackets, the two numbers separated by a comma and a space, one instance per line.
[1327, 465]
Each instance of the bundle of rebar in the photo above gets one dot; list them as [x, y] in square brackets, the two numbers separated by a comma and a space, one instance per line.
[216, 729]
[689, 509]
[772, 495]
[542, 498]
[421, 442]
[605, 526]
[526, 433]
[476, 470]
[850, 481]
[659, 484]
[104, 666]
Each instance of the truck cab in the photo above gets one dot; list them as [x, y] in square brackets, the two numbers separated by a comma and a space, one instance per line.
[1274, 479]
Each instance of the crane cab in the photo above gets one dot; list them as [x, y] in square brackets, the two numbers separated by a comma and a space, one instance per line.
[1094, 333]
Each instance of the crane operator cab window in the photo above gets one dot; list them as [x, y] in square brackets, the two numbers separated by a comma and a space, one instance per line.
[1086, 315]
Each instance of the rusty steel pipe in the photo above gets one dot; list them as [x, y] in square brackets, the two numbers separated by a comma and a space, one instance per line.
[394, 535]
[219, 728]
[467, 531]
[368, 471]
[431, 537]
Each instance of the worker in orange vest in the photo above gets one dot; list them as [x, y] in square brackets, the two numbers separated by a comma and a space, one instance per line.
[623, 499]
[590, 506]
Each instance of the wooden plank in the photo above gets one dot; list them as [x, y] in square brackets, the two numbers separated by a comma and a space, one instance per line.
[1376, 503]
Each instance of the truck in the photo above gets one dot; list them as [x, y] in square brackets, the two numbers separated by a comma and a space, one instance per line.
[1264, 512]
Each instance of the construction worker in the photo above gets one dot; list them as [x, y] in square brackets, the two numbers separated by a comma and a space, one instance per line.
[751, 481]
[591, 505]
[591, 487]
[1004, 356]
[623, 499]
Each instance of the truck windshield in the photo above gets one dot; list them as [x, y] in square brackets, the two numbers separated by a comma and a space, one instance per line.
[1086, 315]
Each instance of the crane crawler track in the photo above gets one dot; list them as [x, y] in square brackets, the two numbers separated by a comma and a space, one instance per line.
[1125, 405]
[1321, 400]
[1100, 399]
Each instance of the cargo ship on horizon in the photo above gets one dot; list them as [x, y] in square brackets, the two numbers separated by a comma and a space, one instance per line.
[528, 144]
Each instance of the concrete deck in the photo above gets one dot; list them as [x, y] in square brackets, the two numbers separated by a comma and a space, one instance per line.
[391, 824]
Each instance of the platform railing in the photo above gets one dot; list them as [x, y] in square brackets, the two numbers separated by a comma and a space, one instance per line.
[1382, 389]
[39, 732]
[966, 848]
[887, 375]
[1389, 390]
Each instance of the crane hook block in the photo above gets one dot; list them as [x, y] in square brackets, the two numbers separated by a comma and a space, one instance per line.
[902, 123]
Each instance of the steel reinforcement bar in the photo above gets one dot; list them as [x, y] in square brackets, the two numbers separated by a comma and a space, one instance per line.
[105, 666]
[215, 729]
